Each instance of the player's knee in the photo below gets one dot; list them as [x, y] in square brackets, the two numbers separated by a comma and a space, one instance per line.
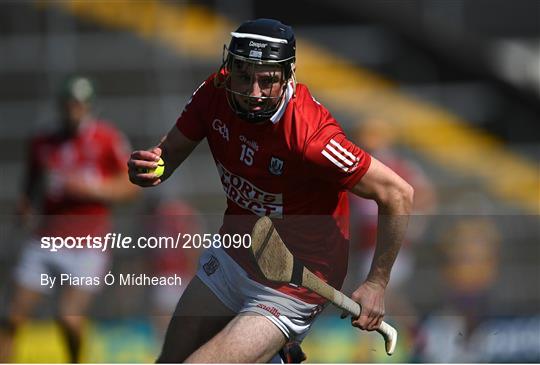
[72, 323]
[8, 326]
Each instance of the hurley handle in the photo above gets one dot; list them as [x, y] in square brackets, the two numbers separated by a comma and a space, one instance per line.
[388, 332]
[311, 281]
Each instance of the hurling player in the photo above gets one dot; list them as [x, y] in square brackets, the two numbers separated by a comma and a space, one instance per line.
[74, 173]
[278, 153]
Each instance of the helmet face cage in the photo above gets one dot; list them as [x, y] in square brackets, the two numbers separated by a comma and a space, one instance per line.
[243, 75]
[257, 67]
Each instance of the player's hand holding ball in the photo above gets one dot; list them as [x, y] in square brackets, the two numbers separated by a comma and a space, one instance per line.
[158, 171]
[145, 168]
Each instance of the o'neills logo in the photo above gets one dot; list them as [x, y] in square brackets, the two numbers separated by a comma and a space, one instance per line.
[248, 196]
[273, 310]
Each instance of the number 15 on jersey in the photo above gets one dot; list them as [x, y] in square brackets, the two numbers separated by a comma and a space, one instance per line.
[247, 155]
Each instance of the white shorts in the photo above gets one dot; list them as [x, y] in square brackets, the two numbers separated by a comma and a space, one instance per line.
[36, 261]
[231, 284]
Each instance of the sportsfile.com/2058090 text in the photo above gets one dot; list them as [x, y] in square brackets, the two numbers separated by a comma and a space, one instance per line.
[119, 240]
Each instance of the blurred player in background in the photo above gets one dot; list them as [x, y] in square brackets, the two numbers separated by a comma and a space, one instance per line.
[378, 137]
[470, 267]
[72, 177]
[279, 153]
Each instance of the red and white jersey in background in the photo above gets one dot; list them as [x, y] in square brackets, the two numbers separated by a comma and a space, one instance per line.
[295, 168]
[96, 152]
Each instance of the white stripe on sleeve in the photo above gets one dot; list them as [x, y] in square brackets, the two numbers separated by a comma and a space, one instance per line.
[334, 161]
[340, 147]
[339, 155]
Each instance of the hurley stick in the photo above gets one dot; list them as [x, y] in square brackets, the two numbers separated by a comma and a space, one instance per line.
[278, 264]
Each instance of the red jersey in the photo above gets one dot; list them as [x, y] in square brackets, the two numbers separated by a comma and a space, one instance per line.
[295, 168]
[96, 152]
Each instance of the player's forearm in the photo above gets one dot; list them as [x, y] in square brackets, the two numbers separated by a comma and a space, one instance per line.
[116, 189]
[30, 184]
[24, 206]
[394, 211]
[175, 148]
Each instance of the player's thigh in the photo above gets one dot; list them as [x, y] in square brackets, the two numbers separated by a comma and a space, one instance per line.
[75, 300]
[28, 288]
[73, 305]
[199, 315]
[22, 304]
[248, 338]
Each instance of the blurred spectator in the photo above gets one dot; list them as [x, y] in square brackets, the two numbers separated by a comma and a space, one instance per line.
[378, 137]
[470, 267]
[73, 175]
[470, 250]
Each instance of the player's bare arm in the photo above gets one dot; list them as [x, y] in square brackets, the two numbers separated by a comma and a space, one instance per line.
[394, 196]
[116, 188]
[24, 207]
[174, 148]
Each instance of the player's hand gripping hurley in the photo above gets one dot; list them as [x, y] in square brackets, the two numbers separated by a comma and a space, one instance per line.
[278, 264]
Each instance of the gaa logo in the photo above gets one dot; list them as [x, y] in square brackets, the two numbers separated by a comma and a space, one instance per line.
[222, 129]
